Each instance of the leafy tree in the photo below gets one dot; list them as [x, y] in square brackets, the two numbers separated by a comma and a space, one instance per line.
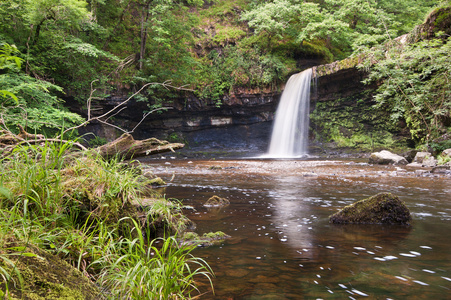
[415, 84]
[342, 24]
[8, 62]
[27, 101]
[67, 13]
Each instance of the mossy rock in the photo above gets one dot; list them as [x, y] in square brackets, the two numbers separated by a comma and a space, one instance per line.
[205, 240]
[383, 208]
[216, 201]
[46, 276]
[157, 182]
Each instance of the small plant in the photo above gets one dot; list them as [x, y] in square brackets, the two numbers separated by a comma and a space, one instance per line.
[167, 214]
[442, 159]
[97, 141]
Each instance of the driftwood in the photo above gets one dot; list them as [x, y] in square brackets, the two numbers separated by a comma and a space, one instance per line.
[127, 147]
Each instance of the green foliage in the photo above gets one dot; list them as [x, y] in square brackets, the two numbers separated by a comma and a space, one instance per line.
[211, 48]
[238, 67]
[161, 269]
[438, 147]
[37, 108]
[345, 24]
[63, 205]
[415, 84]
[97, 141]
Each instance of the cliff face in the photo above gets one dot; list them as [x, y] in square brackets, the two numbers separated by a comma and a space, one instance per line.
[242, 122]
[342, 118]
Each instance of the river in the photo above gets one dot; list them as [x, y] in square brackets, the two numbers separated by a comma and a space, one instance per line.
[282, 245]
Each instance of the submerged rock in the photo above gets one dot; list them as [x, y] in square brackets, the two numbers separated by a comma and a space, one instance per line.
[383, 208]
[216, 201]
[387, 158]
[205, 240]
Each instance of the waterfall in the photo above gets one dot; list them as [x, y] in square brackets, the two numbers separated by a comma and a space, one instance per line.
[291, 123]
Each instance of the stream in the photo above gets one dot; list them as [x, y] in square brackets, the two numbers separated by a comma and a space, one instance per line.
[282, 244]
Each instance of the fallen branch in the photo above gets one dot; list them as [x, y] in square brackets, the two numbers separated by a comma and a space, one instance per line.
[127, 147]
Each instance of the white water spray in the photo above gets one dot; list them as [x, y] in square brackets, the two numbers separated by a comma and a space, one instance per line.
[290, 131]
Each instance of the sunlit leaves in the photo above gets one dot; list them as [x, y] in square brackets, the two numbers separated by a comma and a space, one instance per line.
[86, 49]
[36, 105]
[69, 11]
[343, 24]
[8, 58]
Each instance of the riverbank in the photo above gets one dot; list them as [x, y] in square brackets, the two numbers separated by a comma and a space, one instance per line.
[306, 168]
[76, 216]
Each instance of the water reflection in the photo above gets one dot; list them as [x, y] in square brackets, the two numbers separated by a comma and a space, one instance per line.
[291, 213]
[284, 247]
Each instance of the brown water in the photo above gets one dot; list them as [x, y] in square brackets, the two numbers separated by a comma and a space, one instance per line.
[283, 246]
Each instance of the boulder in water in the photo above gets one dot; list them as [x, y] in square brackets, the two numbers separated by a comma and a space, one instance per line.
[387, 158]
[421, 156]
[383, 208]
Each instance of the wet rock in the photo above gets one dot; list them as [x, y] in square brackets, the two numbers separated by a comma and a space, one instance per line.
[421, 156]
[421, 172]
[157, 181]
[415, 165]
[383, 208]
[429, 162]
[205, 240]
[443, 169]
[410, 155]
[385, 157]
[216, 201]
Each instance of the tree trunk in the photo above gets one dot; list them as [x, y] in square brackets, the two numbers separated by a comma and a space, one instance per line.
[144, 19]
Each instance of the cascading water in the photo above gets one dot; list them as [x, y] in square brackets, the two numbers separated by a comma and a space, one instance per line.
[290, 131]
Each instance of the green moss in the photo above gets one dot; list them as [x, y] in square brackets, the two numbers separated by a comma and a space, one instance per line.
[157, 181]
[347, 63]
[207, 239]
[354, 122]
[214, 235]
[46, 276]
[383, 208]
[227, 34]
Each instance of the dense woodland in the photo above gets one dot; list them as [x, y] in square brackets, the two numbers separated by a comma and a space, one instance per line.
[66, 49]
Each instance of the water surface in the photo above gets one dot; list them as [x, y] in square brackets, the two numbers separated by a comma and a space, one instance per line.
[283, 246]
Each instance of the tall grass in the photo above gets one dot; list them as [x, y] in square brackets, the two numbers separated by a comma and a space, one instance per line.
[157, 269]
[81, 210]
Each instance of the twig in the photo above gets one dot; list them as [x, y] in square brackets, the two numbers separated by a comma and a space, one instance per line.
[145, 116]
[112, 112]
